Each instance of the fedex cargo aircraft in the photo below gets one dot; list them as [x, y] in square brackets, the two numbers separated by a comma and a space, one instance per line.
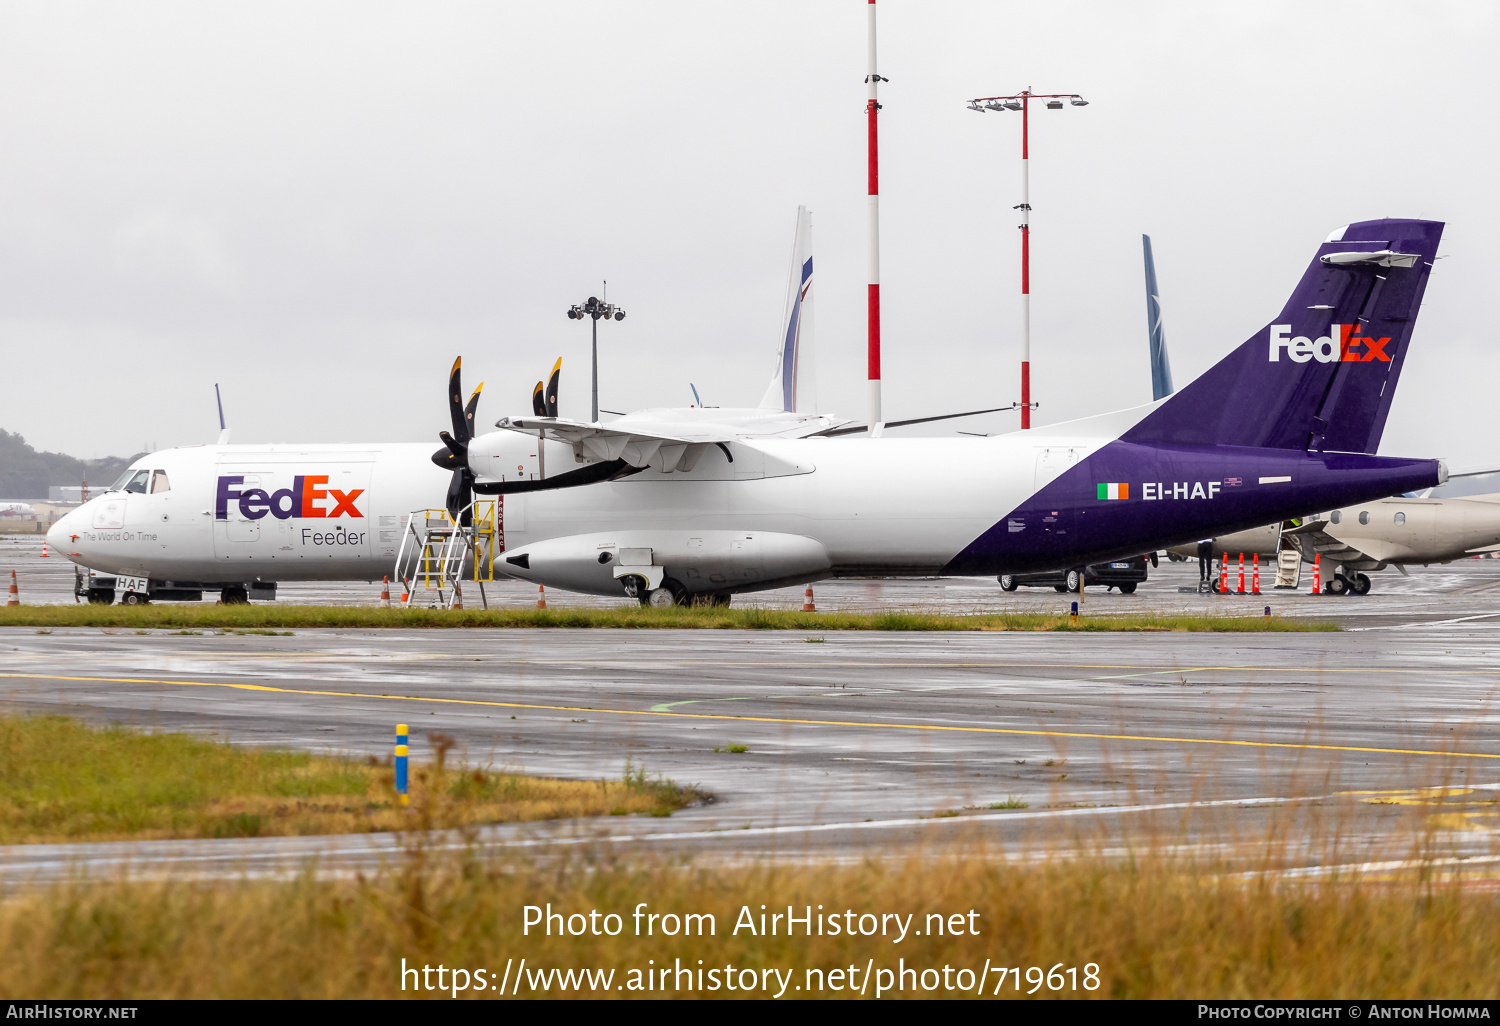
[699, 504]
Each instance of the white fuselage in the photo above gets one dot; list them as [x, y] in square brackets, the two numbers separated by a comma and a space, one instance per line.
[867, 506]
[1402, 530]
[1395, 530]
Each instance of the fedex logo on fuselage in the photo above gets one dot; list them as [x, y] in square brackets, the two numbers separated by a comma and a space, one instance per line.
[1340, 345]
[303, 499]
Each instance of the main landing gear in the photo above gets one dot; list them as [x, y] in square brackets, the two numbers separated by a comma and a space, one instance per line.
[1339, 584]
[671, 593]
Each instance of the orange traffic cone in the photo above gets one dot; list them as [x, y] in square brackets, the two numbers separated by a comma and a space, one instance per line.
[1317, 574]
[44, 546]
[808, 606]
[15, 596]
[405, 598]
[1242, 574]
[385, 592]
[1255, 575]
[541, 597]
[458, 596]
[1224, 574]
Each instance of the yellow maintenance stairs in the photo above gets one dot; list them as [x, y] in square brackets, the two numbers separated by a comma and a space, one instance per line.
[439, 554]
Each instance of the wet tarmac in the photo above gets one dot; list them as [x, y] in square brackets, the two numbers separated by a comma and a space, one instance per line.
[860, 742]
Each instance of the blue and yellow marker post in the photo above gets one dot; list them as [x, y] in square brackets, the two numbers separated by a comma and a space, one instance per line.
[401, 763]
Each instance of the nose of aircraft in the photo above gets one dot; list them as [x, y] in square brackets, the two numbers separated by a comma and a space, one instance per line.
[63, 536]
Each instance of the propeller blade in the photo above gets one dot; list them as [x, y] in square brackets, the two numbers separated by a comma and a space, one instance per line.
[552, 388]
[458, 492]
[538, 401]
[469, 413]
[456, 401]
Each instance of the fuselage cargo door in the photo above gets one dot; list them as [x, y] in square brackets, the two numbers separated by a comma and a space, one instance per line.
[1051, 462]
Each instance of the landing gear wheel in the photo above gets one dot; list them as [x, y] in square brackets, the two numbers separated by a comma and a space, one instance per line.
[1008, 582]
[133, 598]
[1361, 584]
[234, 596]
[1337, 585]
[671, 593]
[1213, 585]
[1074, 579]
[1128, 588]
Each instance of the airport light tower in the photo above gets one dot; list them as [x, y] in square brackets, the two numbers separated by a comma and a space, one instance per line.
[1022, 102]
[596, 310]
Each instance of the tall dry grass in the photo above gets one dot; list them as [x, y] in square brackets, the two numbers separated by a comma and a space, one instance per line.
[1156, 927]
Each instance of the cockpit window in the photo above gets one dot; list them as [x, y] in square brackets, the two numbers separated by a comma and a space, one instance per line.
[137, 482]
[159, 482]
[121, 481]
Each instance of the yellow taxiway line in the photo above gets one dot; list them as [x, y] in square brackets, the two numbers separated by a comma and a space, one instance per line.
[793, 721]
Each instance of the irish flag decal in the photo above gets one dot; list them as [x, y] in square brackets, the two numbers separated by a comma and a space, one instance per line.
[1114, 491]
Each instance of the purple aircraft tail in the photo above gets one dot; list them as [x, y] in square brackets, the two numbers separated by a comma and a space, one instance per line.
[1322, 375]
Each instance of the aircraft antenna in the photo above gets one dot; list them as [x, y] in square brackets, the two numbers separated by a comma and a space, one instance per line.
[223, 428]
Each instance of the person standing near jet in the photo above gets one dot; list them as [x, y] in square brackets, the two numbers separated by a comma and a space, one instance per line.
[1205, 561]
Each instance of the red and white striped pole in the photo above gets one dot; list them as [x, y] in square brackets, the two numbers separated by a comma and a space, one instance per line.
[872, 108]
[1025, 209]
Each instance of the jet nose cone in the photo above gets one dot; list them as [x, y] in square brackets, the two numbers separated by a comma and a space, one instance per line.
[63, 535]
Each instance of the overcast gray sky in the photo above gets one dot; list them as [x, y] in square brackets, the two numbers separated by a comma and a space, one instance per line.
[319, 205]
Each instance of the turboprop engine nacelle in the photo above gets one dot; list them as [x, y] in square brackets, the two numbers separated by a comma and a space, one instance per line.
[694, 562]
[509, 456]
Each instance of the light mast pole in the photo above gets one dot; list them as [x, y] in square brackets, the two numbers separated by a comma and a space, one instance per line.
[872, 108]
[1022, 102]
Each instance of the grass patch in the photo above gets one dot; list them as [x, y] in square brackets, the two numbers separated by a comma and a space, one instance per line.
[63, 780]
[263, 619]
[733, 748]
[1011, 802]
[1154, 927]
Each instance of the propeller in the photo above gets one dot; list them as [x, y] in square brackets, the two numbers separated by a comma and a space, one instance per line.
[544, 396]
[454, 455]
[551, 400]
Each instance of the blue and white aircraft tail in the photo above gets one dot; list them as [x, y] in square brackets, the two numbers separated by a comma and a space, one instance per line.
[1161, 367]
[793, 388]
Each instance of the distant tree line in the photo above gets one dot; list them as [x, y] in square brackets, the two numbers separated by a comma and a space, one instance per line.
[26, 473]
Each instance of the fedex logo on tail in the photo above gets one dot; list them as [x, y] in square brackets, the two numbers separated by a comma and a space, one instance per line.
[305, 498]
[1340, 345]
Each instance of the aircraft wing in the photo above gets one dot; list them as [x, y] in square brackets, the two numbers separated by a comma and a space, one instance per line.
[636, 446]
[1313, 540]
